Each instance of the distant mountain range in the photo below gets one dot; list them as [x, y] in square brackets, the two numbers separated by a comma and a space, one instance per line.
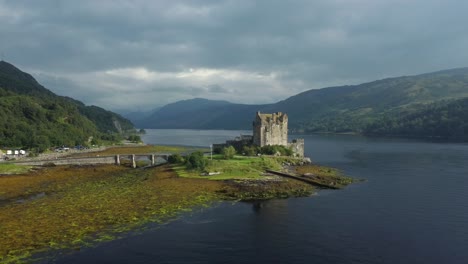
[31, 116]
[200, 114]
[342, 109]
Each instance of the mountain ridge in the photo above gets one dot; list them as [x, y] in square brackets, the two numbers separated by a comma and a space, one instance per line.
[347, 108]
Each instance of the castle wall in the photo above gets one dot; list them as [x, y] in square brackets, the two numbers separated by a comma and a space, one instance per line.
[297, 146]
[270, 129]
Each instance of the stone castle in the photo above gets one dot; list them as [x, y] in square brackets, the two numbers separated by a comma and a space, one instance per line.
[272, 129]
[268, 129]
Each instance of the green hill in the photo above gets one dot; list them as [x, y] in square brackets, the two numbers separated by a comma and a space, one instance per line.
[33, 117]
[443, 119]
[352, 108]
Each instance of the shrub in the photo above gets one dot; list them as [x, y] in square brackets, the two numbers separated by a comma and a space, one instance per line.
[275, 149]
[175, 159]
[95, 141]
[134, 138]
[229, 152]
[287, 151]
[33, 154]
[109, 137]
[196, 160]
[217, 149]
[250, 150]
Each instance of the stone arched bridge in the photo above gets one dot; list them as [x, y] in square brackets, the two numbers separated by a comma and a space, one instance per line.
[154, 159]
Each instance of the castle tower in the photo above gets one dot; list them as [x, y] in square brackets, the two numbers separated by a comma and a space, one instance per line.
[270, 129]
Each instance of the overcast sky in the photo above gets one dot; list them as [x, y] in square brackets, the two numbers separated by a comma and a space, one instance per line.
[137, 55]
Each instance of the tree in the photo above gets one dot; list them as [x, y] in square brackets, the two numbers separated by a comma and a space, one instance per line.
[229, 152]
[95, 141]
[40, 143]
[134, 138]
[196, 160]
[175, 159]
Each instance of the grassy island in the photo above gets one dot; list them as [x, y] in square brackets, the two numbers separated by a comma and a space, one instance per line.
[50, 209]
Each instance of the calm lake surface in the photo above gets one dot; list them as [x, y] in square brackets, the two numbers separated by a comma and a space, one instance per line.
[413, 208]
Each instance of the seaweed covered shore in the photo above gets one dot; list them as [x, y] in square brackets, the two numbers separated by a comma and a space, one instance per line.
[67, 207]
[63, 208]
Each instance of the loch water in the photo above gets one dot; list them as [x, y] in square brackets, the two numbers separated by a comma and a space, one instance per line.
[412, 208]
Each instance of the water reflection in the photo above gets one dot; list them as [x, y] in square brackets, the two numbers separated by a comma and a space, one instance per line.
[272, 208]
[256, 206]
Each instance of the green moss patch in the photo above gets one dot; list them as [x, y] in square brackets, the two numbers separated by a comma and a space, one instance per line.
[324, 175]
[8, 168]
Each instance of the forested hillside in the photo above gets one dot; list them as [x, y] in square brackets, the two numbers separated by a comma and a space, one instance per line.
[444, 120]
[106, 121]
[352, 108]
[33, 117]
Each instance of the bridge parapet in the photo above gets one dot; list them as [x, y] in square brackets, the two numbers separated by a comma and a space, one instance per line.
[153, 158]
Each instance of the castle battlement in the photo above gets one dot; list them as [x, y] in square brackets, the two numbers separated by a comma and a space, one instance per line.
[270, 129]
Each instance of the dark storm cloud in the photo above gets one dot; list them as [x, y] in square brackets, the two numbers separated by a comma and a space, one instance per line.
[156, 52]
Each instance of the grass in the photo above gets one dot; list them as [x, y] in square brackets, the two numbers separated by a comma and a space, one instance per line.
[6, 168]
[253, 168]
[239, 167]
[243, 178]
